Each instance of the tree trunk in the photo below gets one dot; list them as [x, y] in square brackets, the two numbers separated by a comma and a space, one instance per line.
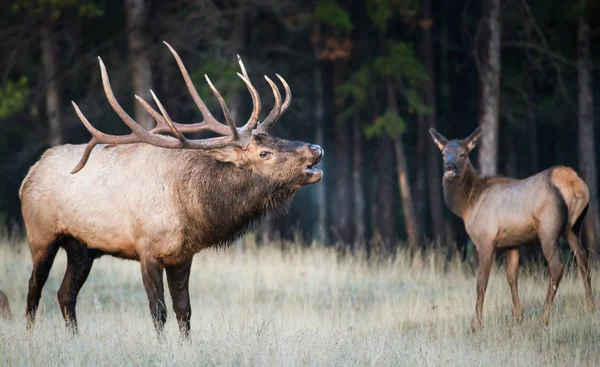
[319, 103]
[489, 75]
[435, 166]
[343, 180]
[420, 164]
[51, 86]
[531, 113]
[436, 209]
[141, 74]
[385, 224]
[408, 208]
[587, 155]
[357, 186]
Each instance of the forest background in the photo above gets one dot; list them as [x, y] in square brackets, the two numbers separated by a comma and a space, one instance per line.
[369, 78]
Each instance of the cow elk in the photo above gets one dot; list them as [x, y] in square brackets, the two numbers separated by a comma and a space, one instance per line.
[158, 199]
[500, 212]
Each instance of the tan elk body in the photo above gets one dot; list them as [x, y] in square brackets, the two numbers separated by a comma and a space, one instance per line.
[501, 212]
[158, 199]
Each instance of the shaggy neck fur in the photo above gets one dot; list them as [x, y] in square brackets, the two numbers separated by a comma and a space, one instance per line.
[460, 192]
[222, 201]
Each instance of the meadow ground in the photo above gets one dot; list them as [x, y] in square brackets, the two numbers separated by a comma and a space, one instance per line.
[302, 308]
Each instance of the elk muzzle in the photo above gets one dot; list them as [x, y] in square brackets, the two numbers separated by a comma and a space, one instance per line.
[450, 170]
[313, 175]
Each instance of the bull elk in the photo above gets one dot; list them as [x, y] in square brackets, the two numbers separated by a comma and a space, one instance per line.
[501, 212]
[158, 199]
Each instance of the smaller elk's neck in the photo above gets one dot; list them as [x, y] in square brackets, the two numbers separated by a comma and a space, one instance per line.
[459, 193]
[221, 202]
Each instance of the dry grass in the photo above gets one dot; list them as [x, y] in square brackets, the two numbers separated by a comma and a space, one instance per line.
[265, 308]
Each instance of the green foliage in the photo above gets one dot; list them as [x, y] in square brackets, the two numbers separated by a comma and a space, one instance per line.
[38, 7]
[390, 124]
[13, 96]
[381, 11]
[330, 13]
[223, 75]
[401, 64]
[356, 89]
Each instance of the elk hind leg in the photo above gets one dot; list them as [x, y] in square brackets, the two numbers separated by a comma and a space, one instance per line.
[178, 278]
[79, 264]
[573, 236]
[43, 258]
[555, 264]
[512, 275]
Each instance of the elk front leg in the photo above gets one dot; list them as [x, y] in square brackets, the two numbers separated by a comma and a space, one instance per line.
[485, 256]
[152, 272]
[178, 278]
[512, 275]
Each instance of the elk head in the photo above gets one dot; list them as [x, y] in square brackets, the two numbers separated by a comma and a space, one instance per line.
[455, 152]
[248, 147]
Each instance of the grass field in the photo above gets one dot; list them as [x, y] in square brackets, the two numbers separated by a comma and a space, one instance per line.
[302, 308]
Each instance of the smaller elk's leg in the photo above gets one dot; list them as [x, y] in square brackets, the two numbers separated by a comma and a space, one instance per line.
[512, 275]
[79, 265]
[485, 256]
[178, 278]
[42, 262]
[152, 276]
[556, 271]
[582, 262]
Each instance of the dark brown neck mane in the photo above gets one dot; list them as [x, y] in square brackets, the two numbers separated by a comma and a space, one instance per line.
[221, 201]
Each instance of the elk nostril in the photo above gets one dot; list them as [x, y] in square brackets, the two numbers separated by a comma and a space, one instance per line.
[315, 149]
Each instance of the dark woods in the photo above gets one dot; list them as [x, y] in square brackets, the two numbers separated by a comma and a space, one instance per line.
[370, 77]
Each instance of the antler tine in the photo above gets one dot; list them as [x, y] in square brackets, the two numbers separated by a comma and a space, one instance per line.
[242, 67]
[163, 127]
[224, 107]
[288, 95]
[275, 112]
[97, 137]
[134, 126]
[256, 104]
[190, 85]
[176, 132]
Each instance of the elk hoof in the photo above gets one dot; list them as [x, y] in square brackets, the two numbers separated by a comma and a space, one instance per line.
[475, 325]
[518, 319]
[591, 305]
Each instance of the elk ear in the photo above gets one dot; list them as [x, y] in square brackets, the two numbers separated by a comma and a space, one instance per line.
[225, 154]
[471, 141]
[438, 139]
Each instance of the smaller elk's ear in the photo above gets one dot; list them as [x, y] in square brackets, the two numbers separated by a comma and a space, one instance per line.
[225, 154]
[471, 141]
[438, 139]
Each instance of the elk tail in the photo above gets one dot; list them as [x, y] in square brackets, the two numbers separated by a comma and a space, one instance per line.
[573, 191]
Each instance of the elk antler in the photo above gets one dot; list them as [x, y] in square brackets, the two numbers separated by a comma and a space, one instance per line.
[231, 134]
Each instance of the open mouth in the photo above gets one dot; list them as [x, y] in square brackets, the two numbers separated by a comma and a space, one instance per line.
[312, 172]
[450, 173]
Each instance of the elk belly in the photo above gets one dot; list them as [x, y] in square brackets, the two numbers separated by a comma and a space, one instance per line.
[515, 235]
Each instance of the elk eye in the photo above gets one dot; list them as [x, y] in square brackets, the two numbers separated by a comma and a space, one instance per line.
[265, 154]
[461, 155]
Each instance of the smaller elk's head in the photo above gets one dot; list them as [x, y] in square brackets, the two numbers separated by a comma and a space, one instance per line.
[250, 147]
[455, 152]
